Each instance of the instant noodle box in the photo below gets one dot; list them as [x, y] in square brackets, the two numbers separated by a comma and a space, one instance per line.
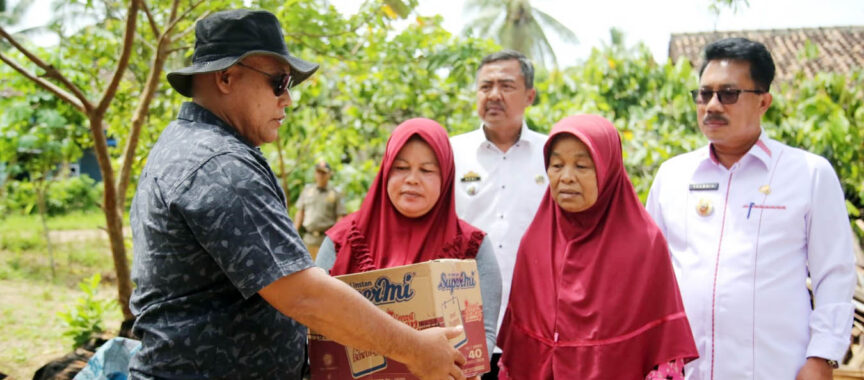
[436, 293]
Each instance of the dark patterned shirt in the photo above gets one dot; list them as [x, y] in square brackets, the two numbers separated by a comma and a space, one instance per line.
[210, 229]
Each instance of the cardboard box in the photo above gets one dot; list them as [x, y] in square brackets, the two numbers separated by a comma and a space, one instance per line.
[436, 293]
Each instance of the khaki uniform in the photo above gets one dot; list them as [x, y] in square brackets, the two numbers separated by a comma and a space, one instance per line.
[321, 209]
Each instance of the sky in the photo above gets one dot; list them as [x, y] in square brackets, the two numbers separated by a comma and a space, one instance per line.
[651, 22]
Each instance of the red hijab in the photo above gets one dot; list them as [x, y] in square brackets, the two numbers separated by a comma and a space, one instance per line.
[378, 236]
[593, 294]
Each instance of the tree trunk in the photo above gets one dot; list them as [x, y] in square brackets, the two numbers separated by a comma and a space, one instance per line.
[113, 217]
[41, 187]
[139, 117]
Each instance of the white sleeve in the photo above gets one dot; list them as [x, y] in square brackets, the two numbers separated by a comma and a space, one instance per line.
[326, 255]
[652, 204]
[831, 262]
[490, 290]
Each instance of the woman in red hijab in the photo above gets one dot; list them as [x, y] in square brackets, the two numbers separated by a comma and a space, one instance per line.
[594, 295]
[409, 216]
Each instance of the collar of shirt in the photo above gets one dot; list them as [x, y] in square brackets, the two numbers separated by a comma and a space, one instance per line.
[195, 113]
[526, 136]
[760, 151]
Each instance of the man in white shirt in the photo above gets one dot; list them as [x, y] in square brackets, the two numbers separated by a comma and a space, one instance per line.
[746, 219]
[500, 175]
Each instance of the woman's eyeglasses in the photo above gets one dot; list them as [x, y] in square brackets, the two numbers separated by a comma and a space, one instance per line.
[280, 82]
[726, 96]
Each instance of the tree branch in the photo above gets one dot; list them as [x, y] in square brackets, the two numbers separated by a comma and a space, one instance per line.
[174, 21]
[63, 95]
[173, 14]
[145, 42]
[128, 39]
[153, 27]
[157, 65]
[140, 115]
[183, 34]
[179, 48]
[50, 72]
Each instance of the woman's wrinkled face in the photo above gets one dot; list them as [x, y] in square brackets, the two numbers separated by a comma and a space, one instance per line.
[414, 181]
[572, 176]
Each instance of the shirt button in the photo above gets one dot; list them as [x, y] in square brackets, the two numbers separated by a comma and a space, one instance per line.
[503, 186]
[504, 158]
[500, 245]
[501, 216]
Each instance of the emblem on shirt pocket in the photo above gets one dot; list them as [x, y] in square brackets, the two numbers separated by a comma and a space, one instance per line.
[540, 179]
[704, 207]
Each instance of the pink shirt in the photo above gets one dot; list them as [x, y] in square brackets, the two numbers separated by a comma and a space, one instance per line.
[742, 241]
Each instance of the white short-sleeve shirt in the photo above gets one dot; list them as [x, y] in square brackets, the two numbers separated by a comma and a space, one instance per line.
[499, 192]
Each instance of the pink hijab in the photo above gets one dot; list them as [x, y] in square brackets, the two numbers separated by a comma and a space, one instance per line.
[593, 294]
[378, 236]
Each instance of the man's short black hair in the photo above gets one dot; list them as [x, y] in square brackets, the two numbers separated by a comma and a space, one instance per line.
[506, 55]
[742, 49]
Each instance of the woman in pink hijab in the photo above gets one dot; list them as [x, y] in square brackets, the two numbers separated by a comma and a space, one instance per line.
[594, 295]
[409, 216]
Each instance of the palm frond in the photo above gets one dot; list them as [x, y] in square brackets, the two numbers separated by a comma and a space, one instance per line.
[484, 23]
[560, 29]
[541, 46]
[517, 25]
[472, 6]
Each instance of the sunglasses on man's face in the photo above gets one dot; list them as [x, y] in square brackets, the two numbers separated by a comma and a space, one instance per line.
[726, 96]
[280, 82]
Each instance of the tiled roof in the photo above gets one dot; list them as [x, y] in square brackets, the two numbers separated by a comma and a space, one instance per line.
[841, 49]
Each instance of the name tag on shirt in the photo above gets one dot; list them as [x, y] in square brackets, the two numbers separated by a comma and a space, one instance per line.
[709, 186]
[470, 177]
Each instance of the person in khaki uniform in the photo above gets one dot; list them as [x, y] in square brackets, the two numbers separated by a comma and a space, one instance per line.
[319, 207]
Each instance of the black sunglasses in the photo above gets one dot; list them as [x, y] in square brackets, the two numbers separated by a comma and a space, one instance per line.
[726, 96]
[279, 82]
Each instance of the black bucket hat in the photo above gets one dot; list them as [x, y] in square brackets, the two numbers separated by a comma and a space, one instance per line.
[224, 38]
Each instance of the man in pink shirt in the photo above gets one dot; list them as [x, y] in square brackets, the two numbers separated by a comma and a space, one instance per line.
[747, 218]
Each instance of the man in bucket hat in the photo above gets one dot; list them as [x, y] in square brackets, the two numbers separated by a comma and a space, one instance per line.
[223, 280]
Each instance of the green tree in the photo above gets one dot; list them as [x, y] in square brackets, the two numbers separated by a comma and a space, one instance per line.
[36, 135]
[88, 71]
[515, 24]
[121, 67]
[94, 108]
[371, 79]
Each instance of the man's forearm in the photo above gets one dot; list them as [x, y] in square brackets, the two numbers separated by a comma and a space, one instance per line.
[298, 219]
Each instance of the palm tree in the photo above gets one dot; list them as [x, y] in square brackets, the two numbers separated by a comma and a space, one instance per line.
[516, 25]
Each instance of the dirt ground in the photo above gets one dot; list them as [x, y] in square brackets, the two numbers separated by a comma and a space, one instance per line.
[31, 332]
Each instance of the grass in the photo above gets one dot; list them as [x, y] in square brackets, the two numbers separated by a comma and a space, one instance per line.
[72, 221]
[32, 332]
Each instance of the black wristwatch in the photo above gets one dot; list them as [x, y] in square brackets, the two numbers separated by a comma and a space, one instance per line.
[833, 363]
